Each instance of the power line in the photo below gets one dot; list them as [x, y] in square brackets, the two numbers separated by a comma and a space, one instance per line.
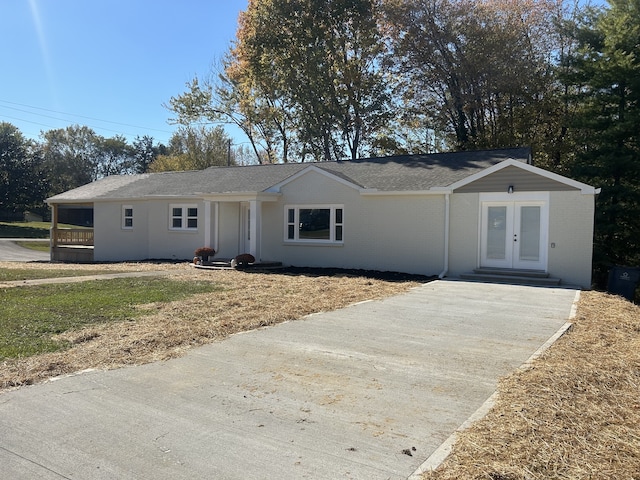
[73, 115]
[120, 132]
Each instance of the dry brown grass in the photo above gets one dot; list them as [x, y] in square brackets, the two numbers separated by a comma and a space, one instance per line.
[574, 415]
[106, 267]
[248, 301]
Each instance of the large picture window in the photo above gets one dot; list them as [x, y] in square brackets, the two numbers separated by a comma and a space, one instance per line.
[183, 217]
[314, 223]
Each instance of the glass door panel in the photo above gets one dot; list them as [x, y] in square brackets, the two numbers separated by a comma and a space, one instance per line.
[529, 234]
[496, 233]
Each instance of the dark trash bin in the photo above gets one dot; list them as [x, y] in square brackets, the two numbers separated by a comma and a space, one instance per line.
[624, 281]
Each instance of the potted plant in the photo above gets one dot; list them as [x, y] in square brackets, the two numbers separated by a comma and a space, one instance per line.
[203, 255]
[243, 260]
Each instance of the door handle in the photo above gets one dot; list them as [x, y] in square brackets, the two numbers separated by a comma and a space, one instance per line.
[515, 237]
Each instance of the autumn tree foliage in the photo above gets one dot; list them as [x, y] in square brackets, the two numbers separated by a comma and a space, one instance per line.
[195, 148]
[303, 76]
[478, 72]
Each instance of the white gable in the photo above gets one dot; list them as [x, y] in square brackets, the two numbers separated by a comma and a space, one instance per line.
[312, 168]
[583, 187]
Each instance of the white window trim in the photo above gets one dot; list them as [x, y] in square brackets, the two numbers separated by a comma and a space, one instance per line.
[124, 225]
[332, 221]
[184, 217]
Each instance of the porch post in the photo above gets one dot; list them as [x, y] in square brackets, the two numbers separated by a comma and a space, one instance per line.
[54, 225]
[216, 227]
[255, 219]
[207, 223]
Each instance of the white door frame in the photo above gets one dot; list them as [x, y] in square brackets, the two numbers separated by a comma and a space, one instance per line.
[513, 203]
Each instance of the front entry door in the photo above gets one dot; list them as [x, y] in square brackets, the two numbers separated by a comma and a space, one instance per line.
[514, 235]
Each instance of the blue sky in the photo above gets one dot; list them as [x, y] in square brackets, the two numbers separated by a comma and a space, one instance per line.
[107, 64]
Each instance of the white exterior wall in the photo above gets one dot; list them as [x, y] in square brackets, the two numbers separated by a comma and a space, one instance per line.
[464, 234]
[570, 239]
[571, 218]
[150, 237]
[392, 232]
[111, 241]
[173, 244]
[382, 232]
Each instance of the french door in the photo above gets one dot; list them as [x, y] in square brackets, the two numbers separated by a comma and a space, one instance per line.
[514, 235]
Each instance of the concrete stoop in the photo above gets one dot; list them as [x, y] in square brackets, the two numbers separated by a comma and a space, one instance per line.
[511, 276]
[225, 264]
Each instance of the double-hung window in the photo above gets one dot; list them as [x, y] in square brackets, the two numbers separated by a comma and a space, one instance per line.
[314, 223]
[183, 217]
[127, 217]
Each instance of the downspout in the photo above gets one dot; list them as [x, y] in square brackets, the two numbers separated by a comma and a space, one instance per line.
[446, 236]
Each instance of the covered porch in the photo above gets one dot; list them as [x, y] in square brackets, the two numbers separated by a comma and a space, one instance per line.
[233, 224]
[72, 244]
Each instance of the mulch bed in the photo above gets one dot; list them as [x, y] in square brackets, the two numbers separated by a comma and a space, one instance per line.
[574, 415]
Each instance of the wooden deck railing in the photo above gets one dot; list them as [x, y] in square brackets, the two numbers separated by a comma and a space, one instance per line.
[72, 236]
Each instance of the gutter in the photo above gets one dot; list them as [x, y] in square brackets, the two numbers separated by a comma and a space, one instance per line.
[446, 236]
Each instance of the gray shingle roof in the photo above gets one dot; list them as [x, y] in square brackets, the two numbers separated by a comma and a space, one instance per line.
[399, 173]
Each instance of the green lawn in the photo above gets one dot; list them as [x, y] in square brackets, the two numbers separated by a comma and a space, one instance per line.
[36, 245]
[28, 229]
[15, 274]
[30, 316]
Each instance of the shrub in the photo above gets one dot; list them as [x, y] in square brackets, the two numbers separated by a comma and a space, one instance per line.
[243, 260]
[205, 252]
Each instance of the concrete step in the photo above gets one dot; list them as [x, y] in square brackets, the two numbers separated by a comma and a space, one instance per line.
[511, 272]
[224, 264]
[512, 279]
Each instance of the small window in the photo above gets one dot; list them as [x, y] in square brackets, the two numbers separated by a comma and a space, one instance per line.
[314, 223]
[291, 224]
[183, 217]
[127, 217]
[338, 225]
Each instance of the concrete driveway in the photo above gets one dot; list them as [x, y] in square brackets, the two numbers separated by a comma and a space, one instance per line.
[367, 392]
[11, 252]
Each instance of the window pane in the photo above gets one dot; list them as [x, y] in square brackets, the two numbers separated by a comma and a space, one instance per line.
[192, 223]
[315, 223]
[496, 233]
[192, 212]
[128, 222]
[338, 215]
[530, 233]
[177, 212]
[292, 216]
[338, 233]
[128, 212]
[177, 223]
[291, 232]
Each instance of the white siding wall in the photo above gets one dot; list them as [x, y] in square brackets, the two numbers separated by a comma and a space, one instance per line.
[570, 230]
[393, 233]
[111, 241]
[463, 233]
[571, 217]
[150, 236]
